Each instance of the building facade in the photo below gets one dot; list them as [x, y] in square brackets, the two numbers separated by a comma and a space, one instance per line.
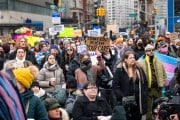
[15, 13]
[119, 12]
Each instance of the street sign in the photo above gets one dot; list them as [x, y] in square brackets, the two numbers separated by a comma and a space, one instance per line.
[58, 28]
[132, 15]
[56, 19]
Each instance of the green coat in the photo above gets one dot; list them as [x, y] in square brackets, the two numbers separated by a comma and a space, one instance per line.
[36, 109]
[159, 71]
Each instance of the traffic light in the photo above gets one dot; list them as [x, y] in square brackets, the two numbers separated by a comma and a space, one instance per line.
[100, 12]
[155, 11]
[57, 2]
[97, 12]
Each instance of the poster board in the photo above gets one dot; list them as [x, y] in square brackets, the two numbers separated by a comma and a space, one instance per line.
[174, 36]
[6, 38]
[97, 43]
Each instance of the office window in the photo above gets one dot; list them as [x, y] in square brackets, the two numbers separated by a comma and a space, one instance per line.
[176, 8]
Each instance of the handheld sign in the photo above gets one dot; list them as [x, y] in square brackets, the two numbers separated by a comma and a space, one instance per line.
[97, 43]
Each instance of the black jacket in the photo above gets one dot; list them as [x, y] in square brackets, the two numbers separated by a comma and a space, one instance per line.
[122, 87]
[87, 110]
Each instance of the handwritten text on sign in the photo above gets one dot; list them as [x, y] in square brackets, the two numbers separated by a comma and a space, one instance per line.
[98, 43]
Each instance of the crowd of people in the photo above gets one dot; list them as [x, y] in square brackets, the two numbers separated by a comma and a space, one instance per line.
[56, 82]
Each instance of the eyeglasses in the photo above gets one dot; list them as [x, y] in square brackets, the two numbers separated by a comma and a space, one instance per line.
[92, 87]
[69, 49]
[150, 50]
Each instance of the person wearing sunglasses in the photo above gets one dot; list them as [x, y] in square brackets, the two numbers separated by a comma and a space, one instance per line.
[67, 58]
[90, 106]
[156, 76]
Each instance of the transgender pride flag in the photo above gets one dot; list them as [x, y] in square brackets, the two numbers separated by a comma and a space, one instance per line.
[170, 63]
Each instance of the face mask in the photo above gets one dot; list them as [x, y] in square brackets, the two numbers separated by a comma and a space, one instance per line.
[108, 56]
[177, 46]
[86, 62]
[164, 49]
[140, 44]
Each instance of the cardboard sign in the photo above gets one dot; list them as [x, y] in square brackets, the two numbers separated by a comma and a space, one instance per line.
[174, 36]
[6, 38]
[78, 33]
[97, 43]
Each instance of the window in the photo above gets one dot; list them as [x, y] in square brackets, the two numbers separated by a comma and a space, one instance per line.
[176, 8]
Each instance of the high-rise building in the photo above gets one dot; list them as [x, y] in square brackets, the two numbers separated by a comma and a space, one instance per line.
[161, 6]
[121, 12]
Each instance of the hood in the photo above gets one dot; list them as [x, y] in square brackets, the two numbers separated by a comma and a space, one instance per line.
[65, 115]
[40, 93]
[52, 67]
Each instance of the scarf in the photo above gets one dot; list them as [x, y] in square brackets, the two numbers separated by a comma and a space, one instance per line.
[10, 97]
[87, 69]
[147, 59]
[20, 63]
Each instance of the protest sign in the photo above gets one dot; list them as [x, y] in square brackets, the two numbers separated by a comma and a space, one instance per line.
[97, 43]
[174, 36]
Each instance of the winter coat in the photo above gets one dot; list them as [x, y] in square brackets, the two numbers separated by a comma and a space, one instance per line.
[29, 56]
[122, 86]
[81, 77]
[159, 71]
[71, 99]
[89, 110]
[35, 109]
[48, 72]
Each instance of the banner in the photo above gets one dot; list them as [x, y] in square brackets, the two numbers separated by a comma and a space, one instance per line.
[97, 43]
[68, 32]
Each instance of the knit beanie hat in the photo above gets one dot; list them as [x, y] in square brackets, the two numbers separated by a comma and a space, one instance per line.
[26, 75]
[119, 40]
[51, 103]
[53, 46]
[66, 41]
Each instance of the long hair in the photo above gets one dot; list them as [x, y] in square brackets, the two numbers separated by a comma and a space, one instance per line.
[125, 56]
[69, 57]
